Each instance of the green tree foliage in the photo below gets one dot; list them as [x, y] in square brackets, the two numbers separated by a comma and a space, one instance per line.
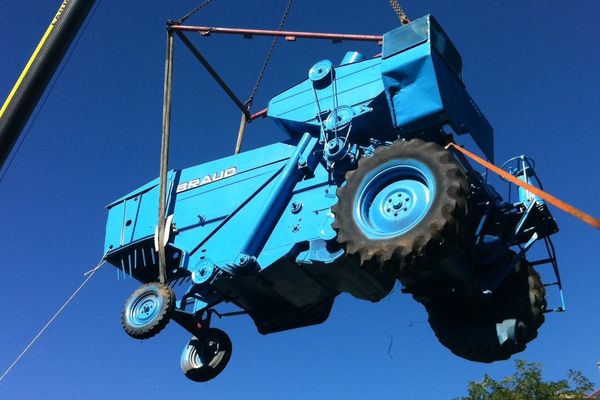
[527, 384]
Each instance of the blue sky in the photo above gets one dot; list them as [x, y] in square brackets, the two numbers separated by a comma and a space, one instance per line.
[531, 66]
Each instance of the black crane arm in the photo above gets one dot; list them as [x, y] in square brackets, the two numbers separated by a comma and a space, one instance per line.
[40, 68]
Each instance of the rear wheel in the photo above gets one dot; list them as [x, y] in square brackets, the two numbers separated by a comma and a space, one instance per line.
[204, 358]
[401, 206]
[496, 329]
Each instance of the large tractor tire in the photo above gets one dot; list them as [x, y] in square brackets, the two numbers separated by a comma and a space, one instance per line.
[148, 310]
[498, 328]
[400, 208]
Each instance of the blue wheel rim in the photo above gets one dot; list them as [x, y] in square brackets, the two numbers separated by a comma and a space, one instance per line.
[144, 309]
[393, 198]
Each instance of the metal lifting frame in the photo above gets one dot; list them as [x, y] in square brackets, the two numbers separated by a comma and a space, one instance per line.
[247, 116]
[288, 35]
[249, 33]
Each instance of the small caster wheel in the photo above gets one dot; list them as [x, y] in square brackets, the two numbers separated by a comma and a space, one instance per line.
[204, 358]
[148, 310]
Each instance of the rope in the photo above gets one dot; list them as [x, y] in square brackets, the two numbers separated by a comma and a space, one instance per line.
[587, 218]
[164, 159]
[89, 276]
[268, 56]
[192, 12]
[399, 12]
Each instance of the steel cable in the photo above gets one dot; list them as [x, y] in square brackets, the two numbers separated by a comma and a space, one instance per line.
[66, 303]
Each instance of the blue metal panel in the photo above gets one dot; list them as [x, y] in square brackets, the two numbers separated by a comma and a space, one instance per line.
[134, 216]
[418, 32]
[212, 219]
[306, 224]
[462, 112]
[422, 74]
[406, 37]
[271, 209]
[356, 84]
[352, 57]
[412, 87]
[132, 207]
[114, 225]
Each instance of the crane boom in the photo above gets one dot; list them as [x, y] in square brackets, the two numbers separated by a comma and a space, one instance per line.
[38, 71]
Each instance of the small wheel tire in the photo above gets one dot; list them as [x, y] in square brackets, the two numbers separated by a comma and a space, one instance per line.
[204, 358]
[471, 331]
[148, 310]
[401, 207]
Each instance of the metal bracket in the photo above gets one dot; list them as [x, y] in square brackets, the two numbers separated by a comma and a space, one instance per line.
[497, 278]
[168, 228]
[244, 264]
[214, 74]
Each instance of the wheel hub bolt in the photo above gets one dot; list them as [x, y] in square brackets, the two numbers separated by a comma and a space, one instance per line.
[397, 203]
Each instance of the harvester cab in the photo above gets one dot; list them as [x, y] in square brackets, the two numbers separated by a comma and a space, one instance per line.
[368, 194]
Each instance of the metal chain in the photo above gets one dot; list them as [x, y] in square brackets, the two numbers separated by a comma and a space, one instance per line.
[399, 12]
[192, 12]
[268, 56]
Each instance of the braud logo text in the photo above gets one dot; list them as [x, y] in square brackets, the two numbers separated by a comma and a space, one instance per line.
[217, 176]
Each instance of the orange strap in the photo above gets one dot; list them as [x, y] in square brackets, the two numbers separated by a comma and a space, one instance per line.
[537, 191]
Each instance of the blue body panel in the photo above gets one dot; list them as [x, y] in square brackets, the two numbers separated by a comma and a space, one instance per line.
[358, 85]
[214, 221]
[415, 85]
